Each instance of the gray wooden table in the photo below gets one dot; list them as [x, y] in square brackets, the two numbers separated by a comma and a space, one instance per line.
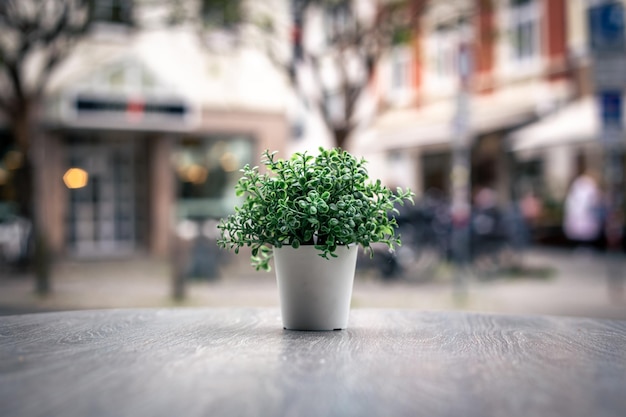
[240, 362]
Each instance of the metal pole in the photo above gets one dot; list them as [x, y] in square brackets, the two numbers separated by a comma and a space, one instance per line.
[461, 211]
[614, 219]
[460, 177]
[606, 23]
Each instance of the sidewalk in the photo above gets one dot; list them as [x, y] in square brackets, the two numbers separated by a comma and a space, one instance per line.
[576, 286]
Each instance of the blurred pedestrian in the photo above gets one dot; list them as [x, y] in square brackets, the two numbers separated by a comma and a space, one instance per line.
[584, 212]
[530, 207]
[487, 235]
[520, 220]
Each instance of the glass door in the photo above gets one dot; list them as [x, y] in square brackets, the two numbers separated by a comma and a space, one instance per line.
[102, 213]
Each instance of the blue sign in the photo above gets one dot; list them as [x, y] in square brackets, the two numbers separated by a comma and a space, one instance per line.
[606, 24]
[611, 109]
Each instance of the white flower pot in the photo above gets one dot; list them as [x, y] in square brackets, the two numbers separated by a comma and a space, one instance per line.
[315, 293]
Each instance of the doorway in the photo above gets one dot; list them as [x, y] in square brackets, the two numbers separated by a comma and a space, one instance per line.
[102, 217]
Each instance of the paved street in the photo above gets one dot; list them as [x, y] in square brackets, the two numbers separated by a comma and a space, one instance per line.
[553, 281]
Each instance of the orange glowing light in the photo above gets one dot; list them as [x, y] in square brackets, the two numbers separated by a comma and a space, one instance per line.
[197, 174]
[75, 178]
[229, 162]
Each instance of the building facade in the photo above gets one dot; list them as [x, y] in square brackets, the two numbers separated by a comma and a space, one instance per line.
[157, 119]
[485, 74]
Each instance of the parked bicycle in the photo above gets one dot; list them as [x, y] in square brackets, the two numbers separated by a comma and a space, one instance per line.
[427, 233]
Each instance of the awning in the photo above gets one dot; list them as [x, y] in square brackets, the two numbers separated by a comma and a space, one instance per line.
[575, 123]
[434, 124]
[411, 127]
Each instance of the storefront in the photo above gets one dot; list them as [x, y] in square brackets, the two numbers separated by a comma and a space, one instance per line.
[121, 169]
[552, 152]
[422, 139]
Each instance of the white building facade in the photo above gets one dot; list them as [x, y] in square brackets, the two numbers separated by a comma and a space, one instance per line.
[160, 117]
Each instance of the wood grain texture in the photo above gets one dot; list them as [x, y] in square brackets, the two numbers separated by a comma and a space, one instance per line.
[240, 362]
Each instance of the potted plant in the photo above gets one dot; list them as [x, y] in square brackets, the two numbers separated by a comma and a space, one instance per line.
[310, 213]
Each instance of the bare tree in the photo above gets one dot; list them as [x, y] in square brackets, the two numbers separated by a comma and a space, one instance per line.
[35, 37]
[356, 34]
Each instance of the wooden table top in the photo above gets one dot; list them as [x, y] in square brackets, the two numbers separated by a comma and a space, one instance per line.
[240, 362]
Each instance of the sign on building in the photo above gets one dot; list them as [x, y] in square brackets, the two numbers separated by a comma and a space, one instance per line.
[611, 110]
[607, 43]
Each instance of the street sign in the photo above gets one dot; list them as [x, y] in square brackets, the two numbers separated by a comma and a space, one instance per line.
[610, 104]
[611, 109]
[607, 43]
[606, 24]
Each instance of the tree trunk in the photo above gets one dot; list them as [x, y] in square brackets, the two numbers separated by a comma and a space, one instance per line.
[38, 257]
[340, 135]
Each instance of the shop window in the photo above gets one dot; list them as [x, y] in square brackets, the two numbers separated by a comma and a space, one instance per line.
[436, 172]
[529, 176]
[206, 172]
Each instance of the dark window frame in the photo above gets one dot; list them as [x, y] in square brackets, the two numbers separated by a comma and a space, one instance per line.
[112, 11]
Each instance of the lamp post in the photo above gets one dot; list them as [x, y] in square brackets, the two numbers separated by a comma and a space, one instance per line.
[461, 169]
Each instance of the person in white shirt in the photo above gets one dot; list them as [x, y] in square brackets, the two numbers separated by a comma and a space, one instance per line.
[583, 211]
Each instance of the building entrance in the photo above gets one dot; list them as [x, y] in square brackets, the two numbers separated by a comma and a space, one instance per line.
[102, 218]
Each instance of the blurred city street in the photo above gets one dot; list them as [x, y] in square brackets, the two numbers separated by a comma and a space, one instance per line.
[154, 153]
[124, 127]
[553, 281]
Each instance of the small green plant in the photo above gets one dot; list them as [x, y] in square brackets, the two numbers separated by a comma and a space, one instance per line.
[325, 200]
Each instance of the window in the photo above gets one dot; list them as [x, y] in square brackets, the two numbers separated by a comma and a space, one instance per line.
[446, 51]
[448, 41]
[529, 176]
[221, 13]
[401, 75]
[112, 11]
[400, 68]
[207, 169]
[524, 30]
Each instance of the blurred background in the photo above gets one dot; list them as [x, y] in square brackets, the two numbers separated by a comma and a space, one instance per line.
[123, 124]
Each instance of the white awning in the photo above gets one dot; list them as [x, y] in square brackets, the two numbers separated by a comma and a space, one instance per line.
[575, 123]
[434, 124]
[412, 127]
